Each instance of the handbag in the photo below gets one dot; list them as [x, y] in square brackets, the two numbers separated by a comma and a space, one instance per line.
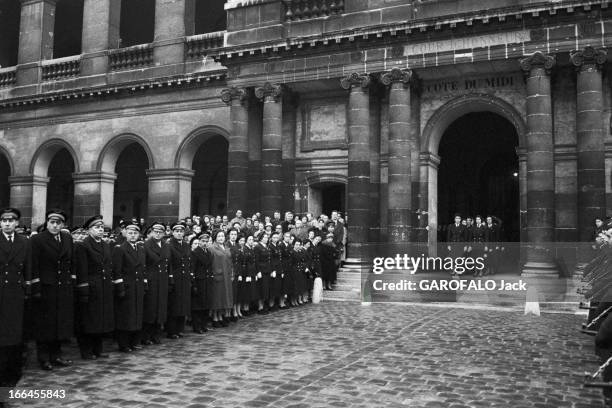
[317, 291]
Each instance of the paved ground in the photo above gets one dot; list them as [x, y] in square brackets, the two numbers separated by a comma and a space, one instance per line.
[340, 354]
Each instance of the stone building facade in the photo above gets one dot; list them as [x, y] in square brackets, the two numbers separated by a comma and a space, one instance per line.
[313, 105]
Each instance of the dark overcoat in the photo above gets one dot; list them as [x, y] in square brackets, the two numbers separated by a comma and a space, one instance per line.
[179, 298]
[129, 269]
[52, 264]
[156, 271]
[201, 261]
[14, 276]
[94, 271]
[262, 265]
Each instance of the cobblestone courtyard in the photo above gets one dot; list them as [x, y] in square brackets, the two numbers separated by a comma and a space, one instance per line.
[338, 354]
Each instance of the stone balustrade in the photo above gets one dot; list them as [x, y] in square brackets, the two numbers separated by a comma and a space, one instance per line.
[198, 46]
[131, 57]
[8, 76]
[61, 68]
[306, 9]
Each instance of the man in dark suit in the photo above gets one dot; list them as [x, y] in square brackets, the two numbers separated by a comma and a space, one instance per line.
[52, 254]
[130, 281]
[93, 264]
[156, 298]
[179, 297]
[455, 237]
[14, 288]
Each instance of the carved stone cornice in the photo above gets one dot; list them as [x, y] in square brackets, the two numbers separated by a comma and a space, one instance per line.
[404, 76]
[269, 91]
[537, 60]
[355, 79]
[589, 58]
[229, 94]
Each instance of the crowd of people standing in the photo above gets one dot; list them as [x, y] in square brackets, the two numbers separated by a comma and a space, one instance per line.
[141, 282]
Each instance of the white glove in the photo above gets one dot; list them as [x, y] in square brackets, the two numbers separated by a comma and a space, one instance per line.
[239, 278]
[258, 275]
[248, 279]
[282, 275]
[273, 274]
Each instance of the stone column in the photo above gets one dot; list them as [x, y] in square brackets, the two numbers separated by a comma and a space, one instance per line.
[288, 152]
[271, 149]
[100, 33]
[358, 187]
[29, 195]
[169, 194]
[35, 39]
[399, 195]
[174, 19]
[238, 151]
[590, 139]
[540, 166]
[93, 194]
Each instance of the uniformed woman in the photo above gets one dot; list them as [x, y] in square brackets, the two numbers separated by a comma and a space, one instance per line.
[262, 264]
[93, 265]
[479, 237]
[276, 272]
[300, 271]
[179, 280]
[248, 289]
[222, 272]
[234, 248]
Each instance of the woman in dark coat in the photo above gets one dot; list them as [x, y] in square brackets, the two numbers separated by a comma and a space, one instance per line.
[156, 298]
[328, 261]
[289, 288]
[300, 271]
[222, 299]
[201, 262]
[234, 248]
[310, 274]
[248, 289]
[276, 272]
[262, 264]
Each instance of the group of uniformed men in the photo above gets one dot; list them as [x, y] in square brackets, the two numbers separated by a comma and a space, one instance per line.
[53, 287]
[476, 237]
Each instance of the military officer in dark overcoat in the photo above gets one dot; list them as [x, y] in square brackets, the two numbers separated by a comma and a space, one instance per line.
[130, 280]
[52, 255]
[493, 238]
[15, 286]
[478, 242]
[93, 265]
[456, 240]
[179, 297]
[201, 262]
[156, 298]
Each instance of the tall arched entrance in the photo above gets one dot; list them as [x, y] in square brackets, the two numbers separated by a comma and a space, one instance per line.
[60, 190]
[131, 185]
[326, 194]
[209, 183]
[478, 172]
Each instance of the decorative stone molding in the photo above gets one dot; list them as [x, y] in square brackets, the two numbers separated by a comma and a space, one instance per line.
[405, 76]
[228, 94]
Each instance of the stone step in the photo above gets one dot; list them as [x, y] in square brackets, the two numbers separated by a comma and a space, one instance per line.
[347, 286]
[342, 295]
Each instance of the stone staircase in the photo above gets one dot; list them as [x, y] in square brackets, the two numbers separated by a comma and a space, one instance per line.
[348, 283]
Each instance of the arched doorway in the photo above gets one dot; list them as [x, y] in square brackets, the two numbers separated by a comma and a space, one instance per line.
[5, 187]
[209, 183]
[478, 172]
[131, 185]
[60, 189]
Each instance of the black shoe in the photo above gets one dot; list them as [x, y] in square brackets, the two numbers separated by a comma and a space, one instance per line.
[136, 347]
[181, 335]
[125, 349]
[146, 342]
[156, 340]
[233, 318]
[199, 331]
[102, 355]
[216, 323]
[88, 357]
[46, 365]
[60, 362]
[173, 336]
[224, 323]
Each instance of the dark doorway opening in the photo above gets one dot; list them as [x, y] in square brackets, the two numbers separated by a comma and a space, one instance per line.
[131, 185]
[326, 197]
[478, 172]
[68, 28]
[5, 187]
[10, 16]
[209, 183]
[137, 24]
[60, 190]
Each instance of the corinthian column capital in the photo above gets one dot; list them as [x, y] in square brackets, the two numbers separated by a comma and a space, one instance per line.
[355, 79]
[228, 94]
[538, 60]
[269, 90]
[589, 58]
